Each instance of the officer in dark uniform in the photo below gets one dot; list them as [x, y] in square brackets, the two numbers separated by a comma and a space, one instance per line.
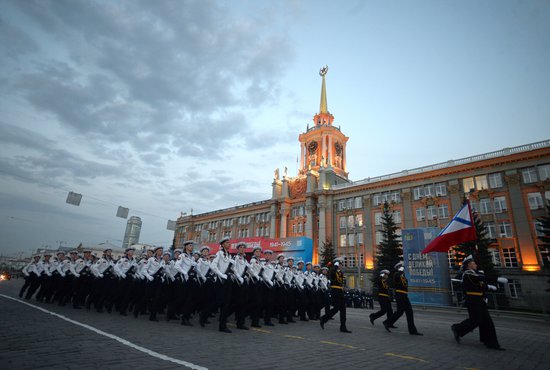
[401, 286]
[337, 295]
[383, 297]
[474, 286]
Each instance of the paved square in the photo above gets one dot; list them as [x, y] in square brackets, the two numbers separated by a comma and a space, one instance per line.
[34, 335]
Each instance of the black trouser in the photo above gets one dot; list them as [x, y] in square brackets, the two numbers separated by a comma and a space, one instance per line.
[176, 299]
[302, 302]
[240, 302]
[192, 298]
[153, 294]
[385, 308]
[339, 304]
[254, 302]
[28, 282]
[268, 302]
[35, 284]
[403, 305]
[479, 316]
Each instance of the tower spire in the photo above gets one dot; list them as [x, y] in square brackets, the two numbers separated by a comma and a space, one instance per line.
[323, 105]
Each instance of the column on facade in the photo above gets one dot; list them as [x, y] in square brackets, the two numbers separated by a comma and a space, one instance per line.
[309, 217]
[370, 246]
[407, 220]
[302, 155]
[283, 220]
[323, 150]
[330, 151]
[322, 219]
[522, 228]
[456, 198]
[273, 221]
[344, 157]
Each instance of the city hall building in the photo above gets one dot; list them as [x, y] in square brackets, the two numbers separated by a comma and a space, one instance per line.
[508, 188]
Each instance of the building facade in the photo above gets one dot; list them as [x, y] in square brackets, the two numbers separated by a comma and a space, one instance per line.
[133, 229]
[508, 188]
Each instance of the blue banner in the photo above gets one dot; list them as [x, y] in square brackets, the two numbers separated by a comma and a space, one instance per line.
[428, 274]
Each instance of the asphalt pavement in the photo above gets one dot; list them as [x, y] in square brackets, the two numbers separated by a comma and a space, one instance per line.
[39, 335]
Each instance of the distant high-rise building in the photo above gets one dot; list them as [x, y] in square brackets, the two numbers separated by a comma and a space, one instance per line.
[131, 235]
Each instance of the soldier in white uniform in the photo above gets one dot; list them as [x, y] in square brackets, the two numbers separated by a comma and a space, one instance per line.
[31, 274]
[208, 282]
[268, 294]
[255, 287]
[125, 269]
[45, 278]
[139, 299]
[153, 274]
[240, 286]
[186, 266]
[222, 267]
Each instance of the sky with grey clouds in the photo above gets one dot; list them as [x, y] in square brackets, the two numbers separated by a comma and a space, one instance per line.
[171, 105]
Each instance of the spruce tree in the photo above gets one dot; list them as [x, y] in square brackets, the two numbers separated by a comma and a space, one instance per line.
[390, 251]
[327, 254]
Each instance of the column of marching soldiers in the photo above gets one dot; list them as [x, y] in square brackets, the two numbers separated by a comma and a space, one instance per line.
[183, 284]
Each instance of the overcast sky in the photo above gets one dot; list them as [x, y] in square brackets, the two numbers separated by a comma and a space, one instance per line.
[164, 106]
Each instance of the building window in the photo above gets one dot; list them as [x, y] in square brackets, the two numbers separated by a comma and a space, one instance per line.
[429, 190]
[341, 205]
[343, 240]
[535, 200]
[360, 238]
[376, 199]
[359, 220]
[529, 175]
[378, 218]
[349, 203]
[440, 189]
[544, 172]
[395, 197]
[485, 206]
[351, 240]
[473, 205]
[505, 229]
[491, 230]
[468, 184]
[300, 228]
[431, 212]
[342, 222]
[418, 193]
[544, 255]
[500, 204]
[509, 257]
[495, 257]
[379, 237]
[443, 211]
[420, 214]
[495, 180]
[397, 217]
[358, 202]
[294, 229]
[481, 182]
[266, 231]
[351, 221]
[515, 288]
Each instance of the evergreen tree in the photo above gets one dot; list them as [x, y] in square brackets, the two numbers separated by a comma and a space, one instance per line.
[327, 254]
[479, 249]
[390, 250]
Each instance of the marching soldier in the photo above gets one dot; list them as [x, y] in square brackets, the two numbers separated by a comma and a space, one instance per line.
[186, 265]
[268, 290]
[45, 278]
[324, 284]
[208, 281]
[30, 271]
[176, 287]
[152, 288]
[280, 294]
[240, 286]
[222, 267]
[475, 285]
[255, 287]
[383, 297]
[310, 291]
[401, 284]
[125, 269]
[337, 296]
[300, 282]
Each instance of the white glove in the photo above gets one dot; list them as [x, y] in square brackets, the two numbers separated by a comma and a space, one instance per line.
[491, 287]
[502, 280]
[241, 280]
[100, 275]
[401, 269]
[77, 275]
[480, 272]
[224, 276]
[150, 278]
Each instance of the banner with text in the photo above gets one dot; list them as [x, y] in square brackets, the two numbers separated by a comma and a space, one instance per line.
[428, 274]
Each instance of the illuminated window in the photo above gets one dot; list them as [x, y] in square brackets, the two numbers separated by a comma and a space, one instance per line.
[529, 175]
[509, 257]
[495, 180]
[343, 240]
[359, 219]
[500, 204]
[468, 184]
[481, 182]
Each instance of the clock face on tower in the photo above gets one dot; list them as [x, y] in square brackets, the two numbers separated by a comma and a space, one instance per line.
[338, 148]
[312, 147]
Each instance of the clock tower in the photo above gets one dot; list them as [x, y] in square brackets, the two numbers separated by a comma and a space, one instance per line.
[323, 144]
